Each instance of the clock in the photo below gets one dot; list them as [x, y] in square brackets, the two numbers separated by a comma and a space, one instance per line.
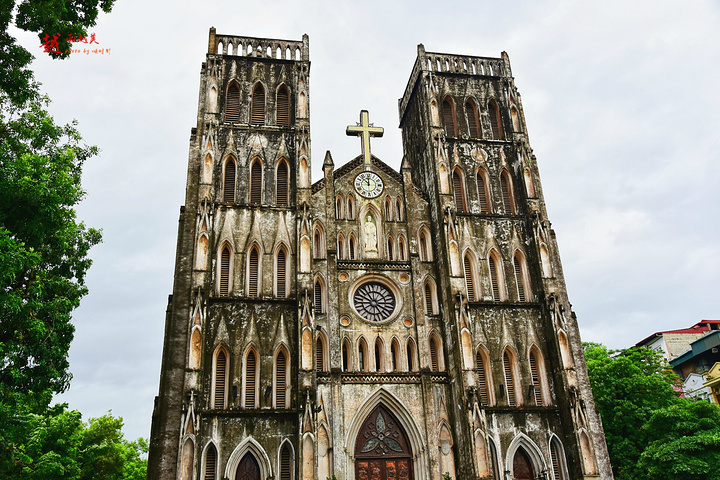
[368, 184]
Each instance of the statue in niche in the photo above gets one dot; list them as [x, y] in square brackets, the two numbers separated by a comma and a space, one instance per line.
[370, 234]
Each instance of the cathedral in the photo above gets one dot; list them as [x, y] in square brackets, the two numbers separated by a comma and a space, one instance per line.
[375, 324]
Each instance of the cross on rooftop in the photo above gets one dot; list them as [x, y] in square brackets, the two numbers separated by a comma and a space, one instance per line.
[364, 130]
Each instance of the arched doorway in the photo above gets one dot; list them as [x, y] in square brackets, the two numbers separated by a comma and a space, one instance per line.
[248, 468]
[382, 449]
[522, 466]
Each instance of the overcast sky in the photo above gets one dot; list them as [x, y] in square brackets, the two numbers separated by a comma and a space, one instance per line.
[621, 101]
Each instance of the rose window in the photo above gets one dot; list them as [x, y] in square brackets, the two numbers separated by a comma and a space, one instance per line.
[374, 301]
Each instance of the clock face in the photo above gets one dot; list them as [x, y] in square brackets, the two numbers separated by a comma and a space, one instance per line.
[368, 184]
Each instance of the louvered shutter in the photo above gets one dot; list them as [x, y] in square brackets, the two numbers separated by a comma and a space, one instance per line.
[280, 380]
[469, 280]
[494, 112]
[250, 379]
[423, 248]
[281, 186]
[220, 369]
[509, 379]
[283, 108]
[433, 356]
[317, 246]
[483, 387]
[232, 104]
[351, 253]
[507, 200]
[482, 193]
[494, 279]
[519, 278]
[472, 120]
[535, 378]
[458, 190]
[256, 183]
[210, 463]
[281, 274]
[555, 457]
[449, 118]
[257, 109]
[253, 273]
[229, 182]
[225, 271]
[318, 297]
[428, 300]
[319, 356]
[285, 460]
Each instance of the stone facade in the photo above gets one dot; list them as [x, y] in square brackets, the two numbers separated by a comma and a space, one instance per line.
[375, 324]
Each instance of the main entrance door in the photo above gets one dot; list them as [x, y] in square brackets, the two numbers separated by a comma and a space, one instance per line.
[248, 469]
[382, 450]
[522, 466]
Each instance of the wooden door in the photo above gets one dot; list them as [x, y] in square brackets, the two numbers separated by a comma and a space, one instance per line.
[382, 450]
[248, 469]
[522, 466]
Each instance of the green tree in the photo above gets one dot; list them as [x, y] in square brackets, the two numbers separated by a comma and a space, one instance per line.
[59, 445]
[628, 387]
[684, 443]
[47, 18]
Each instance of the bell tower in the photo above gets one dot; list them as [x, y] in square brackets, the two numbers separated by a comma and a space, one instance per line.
[229, 372]
[512, 339]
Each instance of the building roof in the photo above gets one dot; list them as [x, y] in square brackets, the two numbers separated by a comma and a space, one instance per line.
[699, 346]
[700, 327]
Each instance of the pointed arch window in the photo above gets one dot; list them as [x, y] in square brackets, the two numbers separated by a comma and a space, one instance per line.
[319, 242]
[536, 373]
[411, 352]
[282, 183]
[507, 194]
[339, 207]
[285, 463]
[351, 207]
[398, 209]
[388, 210]
[283, 107]
[229, 181]
[341, 247]
[402, 249]
[483, 191]
[425, 245]
[481, 365]
[436, 363]
[470, 275]
[210, 463]
[351, 247]
[281, 378]
[256, 175]
[220, 379]
[253, 272]
[448, 110]
[496, 277]
[495, 120]
[431, 303]
[281, 276]
[257, 108]
[250, 379]
[379, 357]
[558, 460]
[232, 104]
[362, 355]
[472, 119]
[225, 259]
[390, 248]
[459, 190]
[520, 277]
[319, 296]
[320, 354]
[395, 354]
[509, 369]
[346, 359]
